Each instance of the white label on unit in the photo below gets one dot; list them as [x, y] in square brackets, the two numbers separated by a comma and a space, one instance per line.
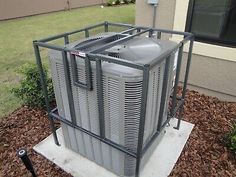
[175, 60]
[82, 54]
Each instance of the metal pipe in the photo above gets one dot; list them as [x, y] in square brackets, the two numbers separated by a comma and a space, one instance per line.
[154, 15]
[120, 24]
[51, 38]
[92, 42]
[187, 38]
[100, 97]
[181, 109]
[87, 28]
[68, 86]
[128, 30]
[69, 33]
[158, 35]
[89, 83]
[187, 67]
[66, 39]
[124, 39]
[177, 107]
[154, 29]
[178, 68]
[104, 140]
[22, 154]
[150, 33]
[45, 91]
[106, 26]
[50, 46]
[86, 33]
[142, 118]
[75, 77]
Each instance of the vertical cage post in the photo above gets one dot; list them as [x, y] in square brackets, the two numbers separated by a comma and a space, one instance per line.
[185, 82]
[86, 33]
[181, 109]
[142, 118]
[106, 26]
[178, 68]
[150, 33]
[164, 92]
[100, 97]
[158, 34]
[68, 87]
[66, 39]
[187, 67]
[45, 91]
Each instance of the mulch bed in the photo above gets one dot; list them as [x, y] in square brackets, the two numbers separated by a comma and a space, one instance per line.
[204, 154]
[25, 127]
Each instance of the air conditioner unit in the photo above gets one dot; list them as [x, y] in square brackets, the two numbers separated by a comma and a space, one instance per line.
[122, 89]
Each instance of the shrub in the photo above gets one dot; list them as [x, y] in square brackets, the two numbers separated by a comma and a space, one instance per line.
[132, 1]
[109, 2]
[117, 2]
[126, 1]
[30, 90]
[231, 139]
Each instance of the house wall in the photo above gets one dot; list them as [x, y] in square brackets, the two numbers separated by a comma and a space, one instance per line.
[19, 8]
[165, 11]
[213, 68]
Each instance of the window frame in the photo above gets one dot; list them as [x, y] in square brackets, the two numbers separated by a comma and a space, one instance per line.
[204, 39]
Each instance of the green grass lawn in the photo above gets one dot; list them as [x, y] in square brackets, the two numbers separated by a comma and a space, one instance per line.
[16, 38]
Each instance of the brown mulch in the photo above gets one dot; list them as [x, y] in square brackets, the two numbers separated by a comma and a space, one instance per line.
[25, 127]
[204, 154]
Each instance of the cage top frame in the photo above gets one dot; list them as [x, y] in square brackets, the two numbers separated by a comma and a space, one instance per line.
[177, 101]
[96, 53]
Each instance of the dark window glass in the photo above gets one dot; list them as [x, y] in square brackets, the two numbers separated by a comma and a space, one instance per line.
[213, 21]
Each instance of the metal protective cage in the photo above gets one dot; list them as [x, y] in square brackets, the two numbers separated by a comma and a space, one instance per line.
[177, 102]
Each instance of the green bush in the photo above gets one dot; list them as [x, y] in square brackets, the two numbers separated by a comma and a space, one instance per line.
[231, 139]
[126, 1]
[132, 1]
[117, 2]
[110, 3]
[30, 90]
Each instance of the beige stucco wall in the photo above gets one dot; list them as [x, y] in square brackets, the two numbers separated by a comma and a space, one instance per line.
[165, 10]
[82, 3]
[214, 77]
[20, 8]
[209, 75]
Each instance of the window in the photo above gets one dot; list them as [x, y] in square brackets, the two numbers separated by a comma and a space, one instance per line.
[213, 21]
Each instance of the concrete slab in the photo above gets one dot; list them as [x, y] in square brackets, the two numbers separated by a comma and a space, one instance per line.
[159, 165]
